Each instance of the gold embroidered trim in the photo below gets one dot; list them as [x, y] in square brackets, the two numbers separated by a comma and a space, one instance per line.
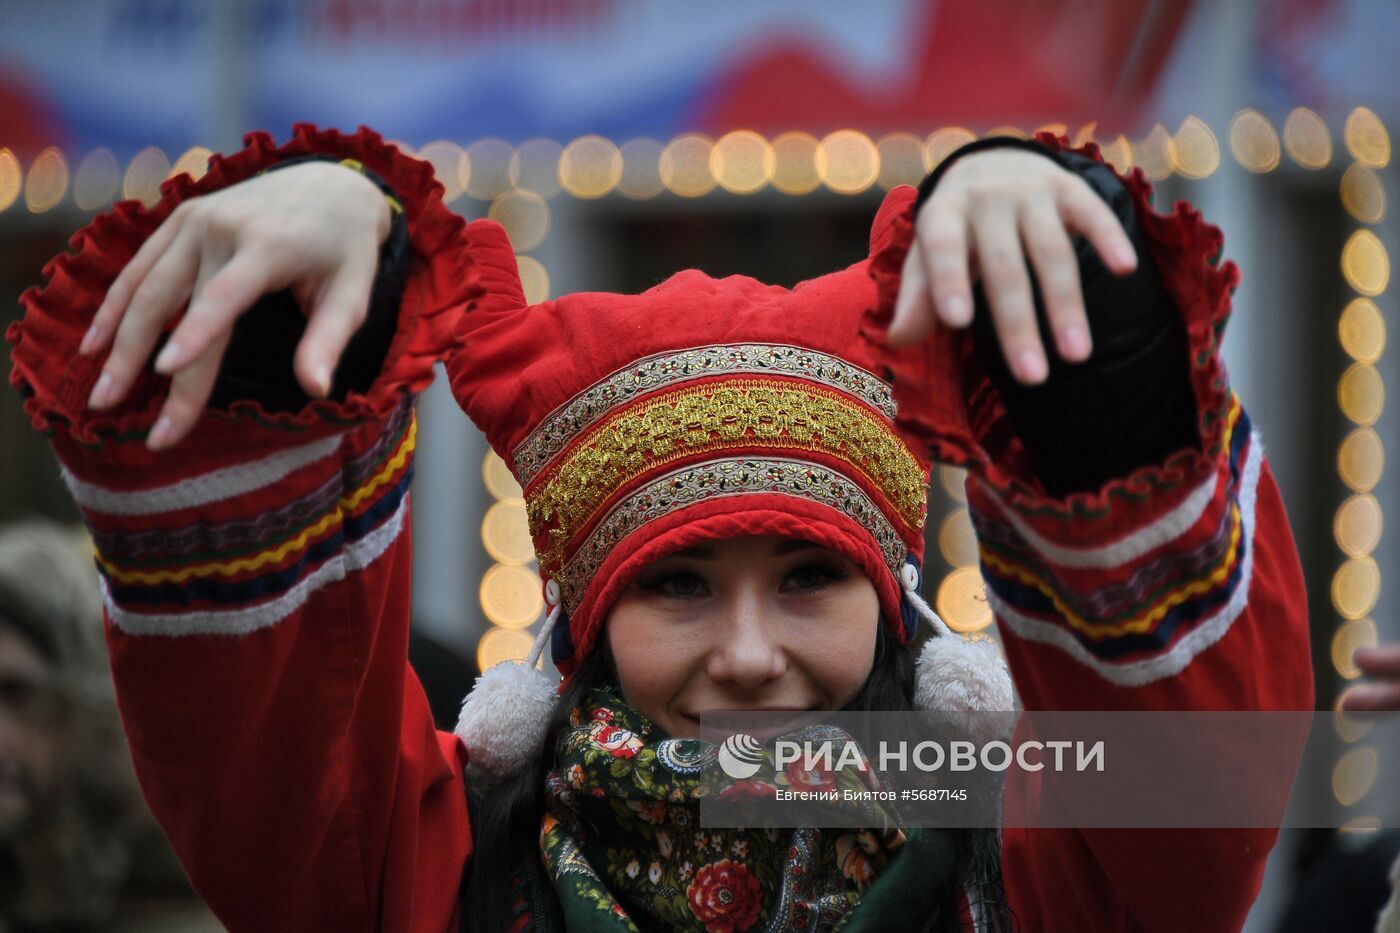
[717, 479]
[656, 372]
[772, 414]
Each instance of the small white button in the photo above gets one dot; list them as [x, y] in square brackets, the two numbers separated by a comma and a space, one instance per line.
[907, 575]
[551, 592]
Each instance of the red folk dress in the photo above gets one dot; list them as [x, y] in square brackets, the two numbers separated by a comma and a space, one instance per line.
[256, 584]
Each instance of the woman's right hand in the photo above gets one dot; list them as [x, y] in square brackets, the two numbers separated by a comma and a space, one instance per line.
[314, 228]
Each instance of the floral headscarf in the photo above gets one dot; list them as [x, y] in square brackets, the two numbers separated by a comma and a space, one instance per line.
[624, 850]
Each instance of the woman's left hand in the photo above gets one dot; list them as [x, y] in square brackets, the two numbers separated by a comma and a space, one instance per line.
[991, 212]
[1382, 694]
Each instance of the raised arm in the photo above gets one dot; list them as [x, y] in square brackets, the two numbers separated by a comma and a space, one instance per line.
[254, 549]
[1057, 540]
[1133, 543]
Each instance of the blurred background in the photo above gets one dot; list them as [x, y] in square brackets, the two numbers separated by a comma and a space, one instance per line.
[621, 140]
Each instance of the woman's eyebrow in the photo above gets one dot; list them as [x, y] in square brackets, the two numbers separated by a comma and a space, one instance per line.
[792, 546]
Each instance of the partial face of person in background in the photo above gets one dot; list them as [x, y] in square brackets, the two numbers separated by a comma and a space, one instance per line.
[29, 739]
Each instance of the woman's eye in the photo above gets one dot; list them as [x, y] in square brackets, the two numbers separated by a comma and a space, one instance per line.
[679, 584]
[814, 576]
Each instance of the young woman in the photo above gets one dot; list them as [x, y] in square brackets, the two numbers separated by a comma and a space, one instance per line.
[726, 483]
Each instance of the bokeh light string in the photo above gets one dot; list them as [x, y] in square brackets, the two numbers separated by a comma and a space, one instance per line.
[510, 593]
[1358, 522]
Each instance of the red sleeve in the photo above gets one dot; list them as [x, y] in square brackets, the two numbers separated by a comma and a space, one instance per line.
[256, 586]
[1176, 587]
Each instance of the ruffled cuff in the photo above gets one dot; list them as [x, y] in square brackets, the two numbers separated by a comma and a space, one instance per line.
[948, 404]
[55, 381]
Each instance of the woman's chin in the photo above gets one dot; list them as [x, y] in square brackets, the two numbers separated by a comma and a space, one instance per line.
[763, 725]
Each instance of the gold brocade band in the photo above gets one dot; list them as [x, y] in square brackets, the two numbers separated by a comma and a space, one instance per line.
[657, 372]
[764, 417]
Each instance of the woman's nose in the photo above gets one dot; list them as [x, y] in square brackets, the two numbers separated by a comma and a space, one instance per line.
[747, 652]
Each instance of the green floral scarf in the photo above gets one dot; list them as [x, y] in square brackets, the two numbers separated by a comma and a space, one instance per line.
[623, 848]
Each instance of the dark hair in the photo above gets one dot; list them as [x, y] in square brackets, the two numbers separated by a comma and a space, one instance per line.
[506, 813]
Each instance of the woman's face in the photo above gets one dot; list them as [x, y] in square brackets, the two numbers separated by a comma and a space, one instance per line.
[758, 623]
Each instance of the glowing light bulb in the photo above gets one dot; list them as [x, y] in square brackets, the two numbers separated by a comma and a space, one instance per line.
[510, 596]
[590, 167]
[795, 170]
[902, 160]
[1355, 587]
[97, 180]
[1354, 775]
[943, 143]
[525, 216]
[11, 178]
[1363, 195]
[1366, 138]
[193, 162]
[1197, 151]
[536, 166]
[1361, 330]
[450, 167]
[501, 644]
[1307, 139]
[848, 162]
[685, 166]
[1254, 142]
[742, 162]
[534, 279]
[505, 533]
[641, 169]
[498, 479]
[1156, 153]
[143, 176]
[1361, 460]
[1365, 263]
[47, 182]
[492, 167]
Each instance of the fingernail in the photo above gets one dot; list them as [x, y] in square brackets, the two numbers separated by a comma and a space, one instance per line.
[168, 355]
[1076, 342]
[89, 340]
[322, 377]
[159, 433]
[101, 391]
[1125, 256]
[956, 308]
[1031, 367]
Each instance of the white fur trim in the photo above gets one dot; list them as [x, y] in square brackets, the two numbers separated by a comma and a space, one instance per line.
[357, 556]
[214, 486]
[968, 681]
[1130, 547]
[964, 681]
[1206, 633]
[504, 717]
[1389, 920]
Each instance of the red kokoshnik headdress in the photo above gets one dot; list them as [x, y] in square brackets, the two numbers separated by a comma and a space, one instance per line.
[700, 409]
